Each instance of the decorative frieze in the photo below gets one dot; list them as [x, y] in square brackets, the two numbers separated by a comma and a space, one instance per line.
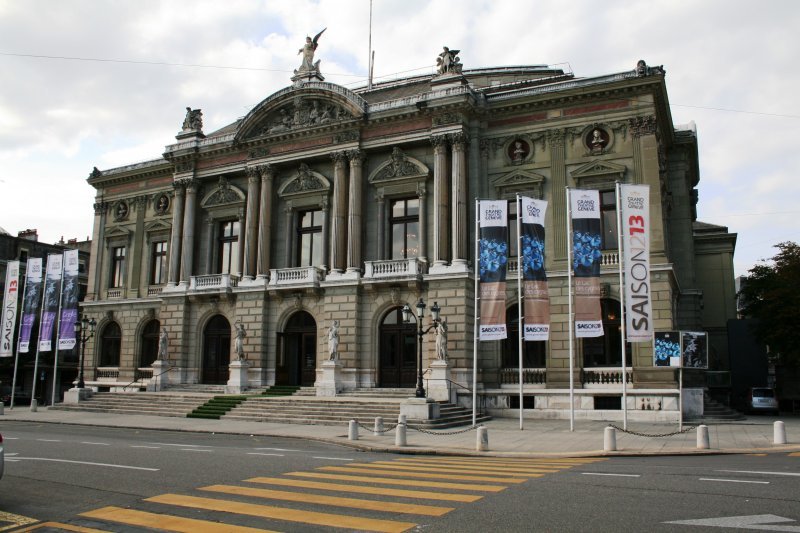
[641, 126]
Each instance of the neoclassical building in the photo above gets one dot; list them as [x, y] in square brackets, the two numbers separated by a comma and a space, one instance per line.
[328, 204]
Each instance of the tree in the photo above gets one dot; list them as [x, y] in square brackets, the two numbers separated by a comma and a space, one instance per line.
[771, 294]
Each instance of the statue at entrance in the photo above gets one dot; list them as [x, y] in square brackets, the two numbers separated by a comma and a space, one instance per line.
[163, 344]
[239, 343]
[333, 341]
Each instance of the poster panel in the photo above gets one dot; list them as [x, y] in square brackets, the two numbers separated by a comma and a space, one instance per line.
[635, 211]
[531, 262]
[30, 303]
[69, 301]
[492, 264]
[9, 318]
[667, 349]
[586, 256]
[694, 349]
[52, 296]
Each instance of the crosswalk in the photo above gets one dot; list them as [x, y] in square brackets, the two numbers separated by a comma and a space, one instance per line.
[383, 496]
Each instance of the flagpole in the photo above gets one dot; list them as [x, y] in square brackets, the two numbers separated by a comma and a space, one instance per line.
[19, 331]
[622, 307]
[519, 302]
[571, 317]
[58, 329]
[476, 319]
[39, 337]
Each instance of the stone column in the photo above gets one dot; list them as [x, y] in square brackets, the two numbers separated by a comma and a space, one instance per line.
[187, 243]
[240, 243]
[289, 237]
[339, 217]
[326, 222]
[645, 147]
[423, 223]
[558, 172]
[267, 173]
[96, 254]
[441, 227]
[459, 200]
[251, 223]
[176, 235]
[354, 257]
[381, 226]
[138, 248]
[211, 231]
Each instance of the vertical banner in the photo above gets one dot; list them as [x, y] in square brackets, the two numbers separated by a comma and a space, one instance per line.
[492, 263]
[531, 263]
[69, 301]
[52, 296]
[635, 211]
[667, 349]
[694, 349]
[33, 291]
[9, 318]
[586, 256]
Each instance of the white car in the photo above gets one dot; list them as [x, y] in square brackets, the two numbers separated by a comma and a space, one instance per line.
[762, 400]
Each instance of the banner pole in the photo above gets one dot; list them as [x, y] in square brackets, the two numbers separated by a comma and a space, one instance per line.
[680, 396]
[519, 302]
[19, 334]
[39, 337]
[571, 317]
[476, 267]
[623, 321]
[58, 330]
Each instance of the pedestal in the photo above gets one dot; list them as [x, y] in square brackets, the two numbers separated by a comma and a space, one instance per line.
[331, 382]
[439, 382]
[76, 395]
[420, 408]
[237, 382]
[160, 376]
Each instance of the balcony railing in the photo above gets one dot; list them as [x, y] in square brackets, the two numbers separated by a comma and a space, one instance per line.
[213, 281]
[605, 376]
[114, 293]
[293, 277]
[530, 376]
[107, 373]
[394, 268]
[610, 257]
[155, 290]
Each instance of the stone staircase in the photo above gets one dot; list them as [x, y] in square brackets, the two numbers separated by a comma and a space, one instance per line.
[139, 403]
[713, 411]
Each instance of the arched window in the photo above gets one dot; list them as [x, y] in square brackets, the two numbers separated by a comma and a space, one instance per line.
[110, 341]
[534, 353]
[606, 350]
[149, 343]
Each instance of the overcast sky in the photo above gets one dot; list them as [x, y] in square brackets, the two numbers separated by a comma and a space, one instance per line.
[105, 83]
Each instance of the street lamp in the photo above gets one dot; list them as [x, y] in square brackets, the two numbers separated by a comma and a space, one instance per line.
[420, 393]
[84, 330]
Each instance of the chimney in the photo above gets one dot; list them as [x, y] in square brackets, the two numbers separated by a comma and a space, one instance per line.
[29, 234]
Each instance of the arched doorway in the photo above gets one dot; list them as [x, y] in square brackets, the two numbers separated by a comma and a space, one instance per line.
[398, 352]
[297, 352]
[216, 351]
[149, 343]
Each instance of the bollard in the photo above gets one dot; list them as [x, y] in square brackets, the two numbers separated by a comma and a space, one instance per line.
[352, 430]
[483, 439]
[2, 408]
[778, 432]
[702, 437]
[34, 405]
[401, 419]
[378, 426]
[400, 435]
[610, 439]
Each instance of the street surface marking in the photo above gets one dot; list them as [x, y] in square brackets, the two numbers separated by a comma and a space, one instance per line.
[457, 477]
[765, 473]
[289, 515]
[445, 469]
[734, 480]
[277, 449]
[48, 440]
[511, 471]
[196, 450]
[268, 454]
[602, 474]
[15, 520]
[756, 454]
[365, 490]
[180, 445]
[401, 482]
[761, 522]
[336, 501]
[794, 454]
[333, 458]
[97, 443]
[148, 447]
[11, 438]
[64, 527]
[165, 522]
[86, 463]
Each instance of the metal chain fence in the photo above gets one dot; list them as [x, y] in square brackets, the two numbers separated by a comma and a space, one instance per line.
[655, 435]
[387, 429]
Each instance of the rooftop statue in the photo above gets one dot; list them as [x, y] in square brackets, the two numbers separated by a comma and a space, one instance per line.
[448, 62]
[308, 49]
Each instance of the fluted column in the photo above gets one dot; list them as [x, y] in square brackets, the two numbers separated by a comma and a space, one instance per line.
[211, 231]
[558, 171]
[187, 242]
[289, 236]
[251, 223]
[441, 226]
[326, 222]
[423, 224]
[459, 199]
[339, 217]
[383, 252]
[267, 172]
[240, 244]
[355, 208]
[96, 256]
[176, 235]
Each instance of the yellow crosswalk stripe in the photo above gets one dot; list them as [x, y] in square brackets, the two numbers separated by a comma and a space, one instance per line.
[14, 520]
[476, 466]
[757, 454]
[423, 475]
[61, 527]
[164, 522]
[337, 501]
[444, 469]
[532, 463]
[280, 513]
[381, 491]
[401, 482]
[794, 454]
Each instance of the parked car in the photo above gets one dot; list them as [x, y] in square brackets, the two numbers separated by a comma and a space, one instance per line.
[762, 400]
[20, 397]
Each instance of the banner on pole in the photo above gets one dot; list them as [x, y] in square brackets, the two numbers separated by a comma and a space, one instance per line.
[667, 349]
[531, 262]
[635, 210]
[52, 296]
[586, 256]
[9, 318]
[69, 301]
[33, 292]
[694, 349]
[493, 260]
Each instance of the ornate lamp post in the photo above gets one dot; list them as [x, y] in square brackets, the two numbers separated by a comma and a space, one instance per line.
[407, 315]
[84, 330]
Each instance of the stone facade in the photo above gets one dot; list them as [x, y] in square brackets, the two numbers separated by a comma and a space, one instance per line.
[324, 204]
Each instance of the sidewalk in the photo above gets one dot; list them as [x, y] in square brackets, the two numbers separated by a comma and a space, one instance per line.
[538, 438]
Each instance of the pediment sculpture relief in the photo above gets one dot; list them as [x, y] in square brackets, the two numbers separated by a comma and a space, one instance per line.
[224, 194]
[303, 114]
[304, 181]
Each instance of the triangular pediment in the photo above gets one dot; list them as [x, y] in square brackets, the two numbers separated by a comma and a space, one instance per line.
[304, 182]
[399, 167]
[224, 194]
[518, 181]
[157, 225]
[597, 171]
[118, 231]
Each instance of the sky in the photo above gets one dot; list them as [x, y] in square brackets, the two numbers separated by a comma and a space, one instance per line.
[106, 83]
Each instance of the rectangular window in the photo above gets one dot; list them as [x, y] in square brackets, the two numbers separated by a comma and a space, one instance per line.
[404, 224]
[608, 219]
[158, 263]
[117, 267]
[309, 235]
[228, 247]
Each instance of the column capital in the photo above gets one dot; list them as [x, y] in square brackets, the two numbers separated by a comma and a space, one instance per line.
[439, 142]
[265, 171]
[458, 140]
[556, 137]
[190, 184]
[339, 158]
[100, 207]
[641, 126]
[356, 157]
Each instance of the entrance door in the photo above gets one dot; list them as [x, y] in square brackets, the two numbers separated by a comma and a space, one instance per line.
[297, 356]
[216, 351]
[398, 352]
